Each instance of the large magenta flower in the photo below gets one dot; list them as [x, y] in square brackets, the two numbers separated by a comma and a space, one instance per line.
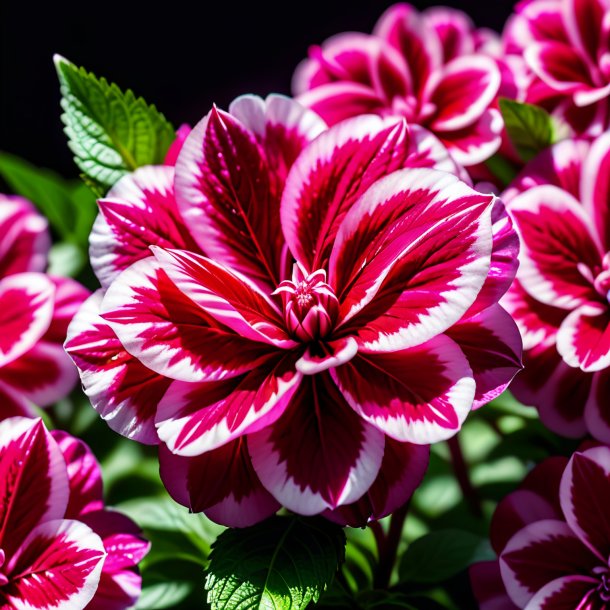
[59, 548]
[561, 205]
[424, 67]
[552, 536]
[310, 310]
[35, 310]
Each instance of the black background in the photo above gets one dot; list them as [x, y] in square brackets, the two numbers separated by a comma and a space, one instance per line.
[180, 57]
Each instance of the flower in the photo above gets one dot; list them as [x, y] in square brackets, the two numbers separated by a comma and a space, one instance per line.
[299, 279]
[426, 67]
[59, 547]
[35, 310]
[560, 204]
[552, 538]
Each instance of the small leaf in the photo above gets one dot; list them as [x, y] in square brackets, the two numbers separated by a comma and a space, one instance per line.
[68, 205]
[530, 128]
[110, 132]
[440, 555]
[283, 563]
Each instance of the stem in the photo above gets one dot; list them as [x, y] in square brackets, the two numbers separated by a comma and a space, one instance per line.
[460, 468]
[389, 547]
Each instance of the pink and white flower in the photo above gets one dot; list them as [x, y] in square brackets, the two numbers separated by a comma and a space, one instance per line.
[553, 539]
[35, 310]
[315, 299]
[59, 548]
[425, 67]
[561, 206]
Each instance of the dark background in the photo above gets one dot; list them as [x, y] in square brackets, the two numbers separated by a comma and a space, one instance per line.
[182, 57]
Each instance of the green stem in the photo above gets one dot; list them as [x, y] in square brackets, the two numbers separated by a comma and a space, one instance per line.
[460, 468]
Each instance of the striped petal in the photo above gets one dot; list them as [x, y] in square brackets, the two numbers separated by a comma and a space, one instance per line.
[121, 389]
[597, 413]
[344, 453]
[568, 592]
[139, 211]
[405, 401]
[410, 258]
[194, 418]
[235, 499]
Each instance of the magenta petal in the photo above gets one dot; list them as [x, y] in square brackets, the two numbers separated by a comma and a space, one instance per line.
[336, 353]
[426, 150]
[583, 339]
[402, 470]
[410, 258]
[58, 566]
[84, 475]
[121, 389]
[69, 296]
[139, 211]
[551, 268]
[25, 237]
[584, 492]
[597, 411]
[408, 402]
[467, 87]
[169, 333]
[14, 404]
[492, 344]
[26, 309]
[328, 177]
[236, 499]
[583, 22]
[195, 418]
[488, 586]
[33, 480]
[568, 592]
[539, 553]
[454, 29]
[344, 453]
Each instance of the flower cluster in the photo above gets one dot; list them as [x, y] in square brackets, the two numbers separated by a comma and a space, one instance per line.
[59, 547]
[299, 276]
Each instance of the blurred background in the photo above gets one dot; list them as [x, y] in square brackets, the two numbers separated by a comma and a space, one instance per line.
[181, 58]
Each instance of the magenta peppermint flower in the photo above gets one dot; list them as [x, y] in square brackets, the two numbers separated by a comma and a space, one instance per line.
[59, 547]
[561, 302]
[424, 67]
[553, 539]
[35, 310]
[299, 278]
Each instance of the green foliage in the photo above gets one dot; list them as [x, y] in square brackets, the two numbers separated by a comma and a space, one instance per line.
[283, 563]
[530, 128]
[110, 132]
[69, 205]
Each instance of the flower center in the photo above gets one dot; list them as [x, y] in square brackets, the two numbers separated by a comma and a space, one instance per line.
[3, 577]
[603, 588]
[310, 305]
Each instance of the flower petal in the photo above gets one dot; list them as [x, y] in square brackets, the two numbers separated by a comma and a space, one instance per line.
[583, 22]
[330, 175]
[402, 470]
[465, 90]
[344, 453]
[539, 553]
[196, 418]
[583, 339]
[488, 587]
[405, 401]
[551, 266]
[492, 344]
[236, 499]
[57, 567]
[336, 353]
[169, 333]
[567, 592]
[26, 309]
[84, 475]
[13, 403]
[25, 237]
[597, 413]
[454, 29]
[139, 211]
[33, 480]
[69, 296]
[584, 492]
[121, 389]
[410, 258]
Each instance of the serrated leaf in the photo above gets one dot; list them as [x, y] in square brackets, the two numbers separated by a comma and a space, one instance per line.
[110, 132]
[69, 205]
[440, 555]
[530, 128]
[283, 563]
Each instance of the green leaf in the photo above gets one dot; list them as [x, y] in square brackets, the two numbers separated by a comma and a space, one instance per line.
[68, 205]
[440, 555]
[283, 563]
[110, 132]
[530, 128]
